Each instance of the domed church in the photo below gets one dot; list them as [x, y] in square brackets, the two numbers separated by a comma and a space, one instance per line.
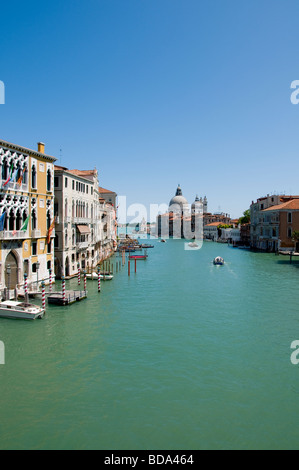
[178, 203]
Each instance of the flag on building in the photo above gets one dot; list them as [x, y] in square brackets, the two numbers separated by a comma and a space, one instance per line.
[2, 221]
[52, 226]
[10, 175]
[25, 224]
[20, 180]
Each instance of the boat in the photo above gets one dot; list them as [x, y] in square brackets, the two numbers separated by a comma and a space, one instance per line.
[20, 310]
[138, 257]
[103, 277]
[147, 246]
[218, 261]
[193, 245]
[163, 241]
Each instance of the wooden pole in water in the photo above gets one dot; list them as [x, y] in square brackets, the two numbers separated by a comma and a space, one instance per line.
[129, 267]
[25, 284]
[135, 265]
[85, 282]
[43, 296]
[50, 280]
[63, 289]
[99, 279]
[79, 275]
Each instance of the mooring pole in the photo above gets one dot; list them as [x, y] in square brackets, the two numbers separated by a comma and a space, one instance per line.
[43, 295]
[99, 278]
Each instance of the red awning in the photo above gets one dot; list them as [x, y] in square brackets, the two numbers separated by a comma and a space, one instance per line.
[83, 229]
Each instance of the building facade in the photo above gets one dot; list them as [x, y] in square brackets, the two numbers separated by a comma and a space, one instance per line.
[269, 230]
[27, 213]
[85, 222]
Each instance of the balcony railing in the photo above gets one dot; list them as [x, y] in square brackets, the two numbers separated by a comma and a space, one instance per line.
[11, 235]
[82, 246]
[14, 186]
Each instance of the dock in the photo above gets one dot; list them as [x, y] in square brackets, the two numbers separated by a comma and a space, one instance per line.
[70, 297]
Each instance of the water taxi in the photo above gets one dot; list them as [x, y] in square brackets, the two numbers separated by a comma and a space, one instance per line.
[103, 277]
[20, 310]
[218, 261]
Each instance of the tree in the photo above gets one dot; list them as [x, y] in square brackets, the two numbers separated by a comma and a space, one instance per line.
[246, 217]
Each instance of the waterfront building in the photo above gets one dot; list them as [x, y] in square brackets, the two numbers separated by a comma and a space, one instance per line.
[273, 220]
[109, 196]
[279, 224]
[211, 232]
[84, 219]
[27, 214]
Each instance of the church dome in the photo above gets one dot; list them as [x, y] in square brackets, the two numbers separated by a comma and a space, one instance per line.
[178, 200]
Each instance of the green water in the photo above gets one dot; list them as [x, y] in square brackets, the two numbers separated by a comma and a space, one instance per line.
[183, 355]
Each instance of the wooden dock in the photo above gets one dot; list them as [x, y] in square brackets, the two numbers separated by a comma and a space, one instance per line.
[70, 297]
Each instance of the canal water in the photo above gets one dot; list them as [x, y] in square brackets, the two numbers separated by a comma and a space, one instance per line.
[182, 355]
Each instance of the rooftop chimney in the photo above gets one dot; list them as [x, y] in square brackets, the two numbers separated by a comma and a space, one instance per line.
[41, 147]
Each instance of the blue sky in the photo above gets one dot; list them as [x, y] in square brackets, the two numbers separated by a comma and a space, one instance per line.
[158, 92]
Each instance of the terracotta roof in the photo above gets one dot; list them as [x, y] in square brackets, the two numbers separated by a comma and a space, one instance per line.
[103, 190]
[57, 167]
[83, 173]
[214, 224]
[290, 205]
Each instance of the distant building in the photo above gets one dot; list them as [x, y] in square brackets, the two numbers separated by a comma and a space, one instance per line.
[179, 218]
[109, 196]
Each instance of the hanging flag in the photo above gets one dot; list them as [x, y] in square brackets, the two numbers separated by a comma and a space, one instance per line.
[2, 221]
[25, 224]
[52, 226]
[10, 175]
[23, 228]
[14, 176]
[20, 180]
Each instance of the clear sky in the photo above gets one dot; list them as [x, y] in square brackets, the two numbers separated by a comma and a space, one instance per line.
[158, 92]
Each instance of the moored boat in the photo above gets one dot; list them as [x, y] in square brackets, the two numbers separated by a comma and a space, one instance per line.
[103, 277]
[218, 261]
[20, 310]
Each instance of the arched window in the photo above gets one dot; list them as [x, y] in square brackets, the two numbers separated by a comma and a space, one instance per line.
[33, 220]
[11, 220]
[73, 208]
[18, 220]
[5, 170]
[33, 177]
[65, 208]
[49, 180]
[25, 175]
[48, 219]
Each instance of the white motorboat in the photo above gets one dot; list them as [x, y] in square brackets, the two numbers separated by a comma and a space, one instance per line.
[94, 277]
[193, 245]
[218, 261]
[20, 310]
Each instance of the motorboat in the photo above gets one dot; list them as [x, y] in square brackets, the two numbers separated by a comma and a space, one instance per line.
[103, 277]
[218, 261]
[193, 245]
[20, 310]
[163, 241]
